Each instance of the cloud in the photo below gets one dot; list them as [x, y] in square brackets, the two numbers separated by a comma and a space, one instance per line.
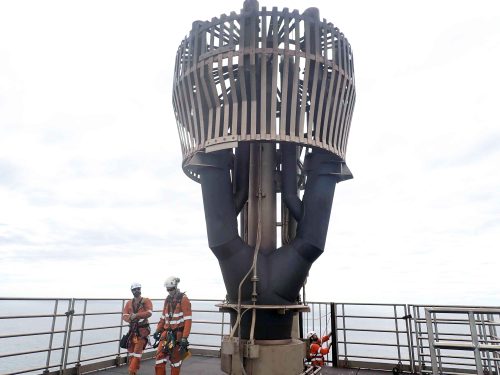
[92, 193]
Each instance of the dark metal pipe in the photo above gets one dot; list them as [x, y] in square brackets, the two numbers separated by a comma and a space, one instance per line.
[282, 272]
[241, 175]
[234, 256]
[323, 173]
[289, 180]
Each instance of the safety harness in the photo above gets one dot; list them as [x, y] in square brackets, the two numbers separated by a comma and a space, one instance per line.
[171, 336]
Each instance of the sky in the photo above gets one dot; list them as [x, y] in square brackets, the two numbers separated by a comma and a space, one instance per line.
[93, 196]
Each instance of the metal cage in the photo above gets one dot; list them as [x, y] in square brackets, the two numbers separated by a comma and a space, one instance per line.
[263, 75]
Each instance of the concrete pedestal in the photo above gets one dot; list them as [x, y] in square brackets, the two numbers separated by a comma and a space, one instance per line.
[263, 357]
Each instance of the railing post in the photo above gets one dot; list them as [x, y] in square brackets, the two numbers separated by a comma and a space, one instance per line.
[301, 325]
[333, 323]
[419, 338]
[67, 334]
[222, 325]
[475, 342]
[438, 350]
[409, 337]
[84, 315]
[397, 333]
[118, 357]
[51, 339]
[345, 333]
[430, 335]
[493, 335]
[483, 334]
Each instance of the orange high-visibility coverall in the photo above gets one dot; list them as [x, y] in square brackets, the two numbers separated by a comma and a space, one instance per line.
[176, 316]
[316, 352]
[139, 337]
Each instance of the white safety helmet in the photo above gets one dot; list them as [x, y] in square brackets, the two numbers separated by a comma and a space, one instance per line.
[135, 285]
[311, 334]
[171, 282]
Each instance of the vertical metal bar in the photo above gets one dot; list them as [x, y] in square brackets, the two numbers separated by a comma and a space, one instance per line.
[253, 43]
[301, 325]
[483, 334]
[295, 87]
[419, 338]
[67, 334]
[307, 317]
[319, 321]
[432, 350]
[265, 128]
[312, 316]
[475, 342]
[222, 323]
[274, 74]
[284, 80]
[320, 126]
[397, 332]
[409, 338]
[438, 351]
[305, 83]
[82, 330]
[51, 339]
[493, 335]
[345, 329]
[121, 326]
[333, 323]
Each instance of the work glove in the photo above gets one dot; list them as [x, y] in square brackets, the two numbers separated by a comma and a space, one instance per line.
[133, 316]
[157, 335]
[184, 343]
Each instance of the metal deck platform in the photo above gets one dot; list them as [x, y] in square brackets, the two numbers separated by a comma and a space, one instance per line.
[198, 365]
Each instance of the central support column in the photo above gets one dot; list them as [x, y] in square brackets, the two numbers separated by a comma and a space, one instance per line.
[262, 183]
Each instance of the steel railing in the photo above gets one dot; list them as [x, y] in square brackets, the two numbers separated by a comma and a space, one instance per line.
[375, 336]
[84, 333]
[451, 328]
[80, 335]
[480, 338]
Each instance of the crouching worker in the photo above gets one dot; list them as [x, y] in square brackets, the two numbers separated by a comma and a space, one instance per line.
[173, 329]
[136, 313]
[316, 349]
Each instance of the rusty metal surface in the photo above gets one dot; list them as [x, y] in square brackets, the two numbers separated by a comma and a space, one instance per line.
[264, 75]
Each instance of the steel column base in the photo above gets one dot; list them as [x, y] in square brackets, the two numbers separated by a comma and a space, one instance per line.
[263, 358]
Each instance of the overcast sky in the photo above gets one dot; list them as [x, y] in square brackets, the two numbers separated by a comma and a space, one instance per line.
[92, 194]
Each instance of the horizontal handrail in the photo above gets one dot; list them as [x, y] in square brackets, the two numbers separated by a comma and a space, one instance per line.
[400, 337]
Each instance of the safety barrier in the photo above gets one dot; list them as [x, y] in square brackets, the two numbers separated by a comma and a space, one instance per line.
[74, 336]
[372, 336]
[478, 336]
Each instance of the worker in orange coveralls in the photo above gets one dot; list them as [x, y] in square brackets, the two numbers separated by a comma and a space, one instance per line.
[136, 314]
[173, 329]
[316, 349]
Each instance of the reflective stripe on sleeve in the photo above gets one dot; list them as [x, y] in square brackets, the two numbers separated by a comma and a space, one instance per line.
[137, 355]
[160, 361]
[187, 317]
